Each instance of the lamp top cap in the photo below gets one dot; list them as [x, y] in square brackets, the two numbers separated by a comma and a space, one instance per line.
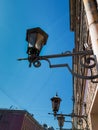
[36, 30]
[56, 97]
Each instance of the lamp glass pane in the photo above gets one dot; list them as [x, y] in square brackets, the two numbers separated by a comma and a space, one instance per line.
[55, 105]
[32, 39]
[61, 121]
[39, 41]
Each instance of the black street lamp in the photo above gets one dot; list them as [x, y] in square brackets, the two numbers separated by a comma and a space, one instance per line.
[61, 117]
[37, 38]
[61, 120]
[55, 104]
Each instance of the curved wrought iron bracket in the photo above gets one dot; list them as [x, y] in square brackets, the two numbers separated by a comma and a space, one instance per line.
[87, 61]
[73, 115]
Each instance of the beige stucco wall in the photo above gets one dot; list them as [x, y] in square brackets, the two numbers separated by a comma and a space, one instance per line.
[84, 91]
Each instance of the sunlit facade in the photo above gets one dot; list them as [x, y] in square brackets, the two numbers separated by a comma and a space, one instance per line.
[84, 24]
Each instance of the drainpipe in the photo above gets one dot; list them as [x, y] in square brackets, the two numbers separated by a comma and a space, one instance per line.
[92, 18]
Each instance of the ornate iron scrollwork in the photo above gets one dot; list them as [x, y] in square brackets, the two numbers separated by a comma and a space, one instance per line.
[82, 119]
[87, 61]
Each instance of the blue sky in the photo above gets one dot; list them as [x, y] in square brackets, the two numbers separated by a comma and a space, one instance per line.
[31, 88]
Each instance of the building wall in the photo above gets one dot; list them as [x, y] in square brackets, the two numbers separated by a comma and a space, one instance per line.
[85, 92]
[10, 120]
[30, 123]
[94, 114]
[18, 120]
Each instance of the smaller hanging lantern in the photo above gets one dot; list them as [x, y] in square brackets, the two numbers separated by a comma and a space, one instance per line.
[55, 104]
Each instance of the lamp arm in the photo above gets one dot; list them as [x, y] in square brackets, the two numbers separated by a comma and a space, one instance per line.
[73, 73]
[85, 61]
[91, 77]
[72, 115]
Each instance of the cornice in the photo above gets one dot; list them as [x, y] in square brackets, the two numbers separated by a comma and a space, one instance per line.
[72, 14]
